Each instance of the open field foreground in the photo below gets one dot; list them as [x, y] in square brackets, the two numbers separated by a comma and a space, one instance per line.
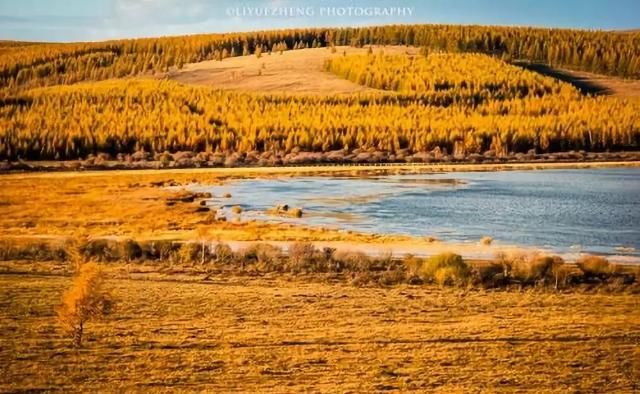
[272, 335]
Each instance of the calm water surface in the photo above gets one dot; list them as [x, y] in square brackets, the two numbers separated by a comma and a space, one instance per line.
[563, 210]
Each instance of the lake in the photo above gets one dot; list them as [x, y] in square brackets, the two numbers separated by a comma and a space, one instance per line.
[593, 210]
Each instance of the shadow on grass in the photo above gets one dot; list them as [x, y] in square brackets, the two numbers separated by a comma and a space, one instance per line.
[445, 340]
[584, 84]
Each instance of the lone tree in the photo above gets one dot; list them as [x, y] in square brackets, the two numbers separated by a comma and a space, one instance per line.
[85, 300]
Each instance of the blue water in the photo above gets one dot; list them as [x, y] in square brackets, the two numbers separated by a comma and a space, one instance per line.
[562, 210]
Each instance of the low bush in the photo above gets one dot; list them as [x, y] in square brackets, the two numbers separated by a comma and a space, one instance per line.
[361, 279]
[486, 240]
[563, 275]
[285, 210]
[108, 250]
[530, 269]
[533, 268]
[223, 254]
[265, 257]
[127, 250]
[445, 269]
[295, 212]
[97, 249]
[354, 262]
[190, 253]
[328, 253]
[523, 269]
[162, 250]
[412, 264]
[595, 267]
[302, 257]
[490, 275]
[393, 277]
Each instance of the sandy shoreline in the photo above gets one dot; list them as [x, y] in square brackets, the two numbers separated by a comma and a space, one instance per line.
[329, 169]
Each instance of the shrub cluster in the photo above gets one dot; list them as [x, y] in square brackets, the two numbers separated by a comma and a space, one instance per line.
[36, 251]
[303, 258]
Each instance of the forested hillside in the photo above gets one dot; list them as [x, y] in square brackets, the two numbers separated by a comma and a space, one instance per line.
[23, 65]
[453, 100]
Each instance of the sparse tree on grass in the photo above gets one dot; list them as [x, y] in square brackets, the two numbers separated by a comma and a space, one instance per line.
[85, 300]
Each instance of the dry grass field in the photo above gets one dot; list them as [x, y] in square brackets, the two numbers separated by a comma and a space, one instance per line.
[285, 335]
[299, 71]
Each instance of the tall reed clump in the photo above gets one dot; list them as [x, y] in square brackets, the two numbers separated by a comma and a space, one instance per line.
[85, 300]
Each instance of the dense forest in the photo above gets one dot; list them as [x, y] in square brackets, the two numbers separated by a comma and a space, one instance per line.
[29, 65]
[459, 97]
[148, 117]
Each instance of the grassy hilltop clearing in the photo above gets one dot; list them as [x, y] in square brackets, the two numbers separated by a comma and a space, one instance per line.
[121, 269]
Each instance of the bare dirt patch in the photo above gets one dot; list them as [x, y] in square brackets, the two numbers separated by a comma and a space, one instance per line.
[297, 71]
[589, 83]
[612, 86]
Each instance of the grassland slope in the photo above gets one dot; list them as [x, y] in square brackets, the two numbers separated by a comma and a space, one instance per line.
[299, 71]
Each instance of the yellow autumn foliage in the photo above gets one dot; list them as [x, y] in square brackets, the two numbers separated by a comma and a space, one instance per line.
[86, 299]
[70, 122]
